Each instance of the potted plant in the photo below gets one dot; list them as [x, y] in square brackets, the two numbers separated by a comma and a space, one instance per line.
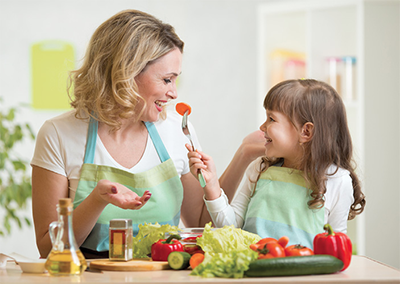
[15, 181]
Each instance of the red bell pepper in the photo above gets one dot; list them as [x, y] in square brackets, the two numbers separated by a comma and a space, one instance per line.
[163, 247]
[335, 244]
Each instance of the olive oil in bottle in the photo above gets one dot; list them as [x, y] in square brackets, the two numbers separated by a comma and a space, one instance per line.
[65, 258]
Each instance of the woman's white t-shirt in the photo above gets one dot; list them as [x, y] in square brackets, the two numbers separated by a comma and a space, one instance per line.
[61, 141]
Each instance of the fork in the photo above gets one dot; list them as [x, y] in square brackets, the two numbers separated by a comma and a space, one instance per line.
[185, 129]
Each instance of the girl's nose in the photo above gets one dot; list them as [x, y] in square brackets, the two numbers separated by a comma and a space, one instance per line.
[263, 127]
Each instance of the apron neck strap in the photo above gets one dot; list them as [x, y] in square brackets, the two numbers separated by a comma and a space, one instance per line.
[158, 144]
[92, 137]
[91, 141]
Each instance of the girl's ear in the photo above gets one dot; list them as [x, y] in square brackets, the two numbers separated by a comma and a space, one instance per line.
[307, 132]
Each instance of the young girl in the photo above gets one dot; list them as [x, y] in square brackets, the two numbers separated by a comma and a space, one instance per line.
[305, 179]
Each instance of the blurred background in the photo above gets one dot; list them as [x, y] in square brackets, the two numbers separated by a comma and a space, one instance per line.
[235, 50]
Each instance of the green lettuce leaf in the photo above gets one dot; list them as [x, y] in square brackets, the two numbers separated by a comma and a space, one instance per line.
[148, 234]
[227, 252]
[226, 239]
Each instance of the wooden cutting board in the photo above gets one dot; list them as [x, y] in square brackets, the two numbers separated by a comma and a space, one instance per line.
[131, 265]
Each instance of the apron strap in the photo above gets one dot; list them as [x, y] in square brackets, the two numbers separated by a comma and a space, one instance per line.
[92, 137]
[158, 144]
[91, 141]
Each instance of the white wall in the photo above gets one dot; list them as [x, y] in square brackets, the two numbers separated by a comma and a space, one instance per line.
[382, 96]
[219, 66]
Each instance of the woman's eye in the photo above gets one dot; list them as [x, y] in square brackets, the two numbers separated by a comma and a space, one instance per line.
[167, 81]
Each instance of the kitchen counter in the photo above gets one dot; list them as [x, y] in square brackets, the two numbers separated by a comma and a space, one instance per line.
[361, 270]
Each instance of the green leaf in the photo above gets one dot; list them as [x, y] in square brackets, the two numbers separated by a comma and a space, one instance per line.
[15, 184]
[19, 165]
[11, 114]
[27, 221]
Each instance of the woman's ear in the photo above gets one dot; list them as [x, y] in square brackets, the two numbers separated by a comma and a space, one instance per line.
[307, 132]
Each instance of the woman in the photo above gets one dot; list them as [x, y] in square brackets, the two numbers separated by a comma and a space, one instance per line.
[113, 152]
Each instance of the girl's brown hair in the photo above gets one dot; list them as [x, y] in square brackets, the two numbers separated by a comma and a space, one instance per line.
[308, 100]
[104, 87]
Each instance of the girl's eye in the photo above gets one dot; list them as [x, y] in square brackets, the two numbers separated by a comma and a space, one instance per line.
[167, 81]
[271, 119]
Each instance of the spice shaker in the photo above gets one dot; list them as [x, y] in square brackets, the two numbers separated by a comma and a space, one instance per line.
[120, 239]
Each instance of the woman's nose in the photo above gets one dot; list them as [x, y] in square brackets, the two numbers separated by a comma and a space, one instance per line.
[172, 93]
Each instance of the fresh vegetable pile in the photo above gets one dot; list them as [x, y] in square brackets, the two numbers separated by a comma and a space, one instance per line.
[149, 234]
[233, 253]
[227, 252]
[161, 249]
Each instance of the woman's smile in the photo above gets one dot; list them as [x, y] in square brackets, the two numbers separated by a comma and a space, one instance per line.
[157, 83]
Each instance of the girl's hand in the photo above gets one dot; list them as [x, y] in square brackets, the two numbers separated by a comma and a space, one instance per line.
[121, 196]
[201, 161]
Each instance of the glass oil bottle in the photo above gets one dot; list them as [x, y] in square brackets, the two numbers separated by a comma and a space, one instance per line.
[65, 258]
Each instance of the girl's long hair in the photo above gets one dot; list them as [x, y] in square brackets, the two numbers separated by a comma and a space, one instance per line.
[104, 87]
[309, 100]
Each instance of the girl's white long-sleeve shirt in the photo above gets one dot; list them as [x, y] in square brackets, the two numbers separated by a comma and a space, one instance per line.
[338, 199]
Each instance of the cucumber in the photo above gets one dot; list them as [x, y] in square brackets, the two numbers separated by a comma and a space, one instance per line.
[294, 265]
[179, 260]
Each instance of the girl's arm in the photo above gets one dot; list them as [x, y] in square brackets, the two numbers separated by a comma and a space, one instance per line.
[224, 214]
[338, 199]
[216, 200]
[48, 187]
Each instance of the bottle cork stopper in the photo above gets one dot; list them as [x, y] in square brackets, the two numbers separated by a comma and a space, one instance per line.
[64, 202]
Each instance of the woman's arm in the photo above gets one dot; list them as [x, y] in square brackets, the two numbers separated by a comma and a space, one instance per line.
[193, 210]
[251, 148]
[48, 187]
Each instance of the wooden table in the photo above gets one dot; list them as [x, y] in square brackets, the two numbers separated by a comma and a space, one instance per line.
[361, 270]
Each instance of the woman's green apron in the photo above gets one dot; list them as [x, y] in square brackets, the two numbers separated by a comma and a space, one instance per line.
[279, 208]
[162, 181]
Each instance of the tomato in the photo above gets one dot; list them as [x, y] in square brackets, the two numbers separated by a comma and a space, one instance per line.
[266, 240]
[270, 250]
[191, 239]
[298, 250]
[270, 247]
[283, 241]
[192, 249]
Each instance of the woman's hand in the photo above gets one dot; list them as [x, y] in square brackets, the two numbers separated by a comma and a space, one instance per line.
[253, 145]
[121, 196]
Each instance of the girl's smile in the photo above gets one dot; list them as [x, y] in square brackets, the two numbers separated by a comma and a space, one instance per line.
[281, 138]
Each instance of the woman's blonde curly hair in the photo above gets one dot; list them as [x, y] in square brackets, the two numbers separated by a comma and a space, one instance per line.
[120, 49]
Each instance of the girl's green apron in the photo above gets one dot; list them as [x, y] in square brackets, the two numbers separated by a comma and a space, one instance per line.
[279, 208]
[162, 181]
